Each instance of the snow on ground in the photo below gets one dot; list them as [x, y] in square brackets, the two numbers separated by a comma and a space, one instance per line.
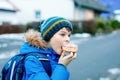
[114, 74]
[19, 36]
[4, 45]
[9, 54]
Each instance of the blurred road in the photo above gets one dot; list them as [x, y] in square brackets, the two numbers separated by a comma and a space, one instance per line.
[8, 48]
[95, 56]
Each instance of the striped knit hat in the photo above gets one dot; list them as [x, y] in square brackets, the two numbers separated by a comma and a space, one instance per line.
[52, 25]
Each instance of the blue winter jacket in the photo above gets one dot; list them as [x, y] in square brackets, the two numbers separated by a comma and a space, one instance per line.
[34, 69]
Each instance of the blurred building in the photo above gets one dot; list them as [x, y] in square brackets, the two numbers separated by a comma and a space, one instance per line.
[7, 12]
[88, 9]
[114, 8]
[25, 11]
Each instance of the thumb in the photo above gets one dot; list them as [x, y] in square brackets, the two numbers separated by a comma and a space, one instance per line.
[62, 54]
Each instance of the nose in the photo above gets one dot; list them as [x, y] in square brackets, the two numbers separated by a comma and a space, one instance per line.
[67, 39]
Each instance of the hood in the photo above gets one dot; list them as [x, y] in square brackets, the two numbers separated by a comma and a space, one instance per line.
[26, 48]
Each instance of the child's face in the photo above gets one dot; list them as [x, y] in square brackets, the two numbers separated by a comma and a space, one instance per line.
[59, 38]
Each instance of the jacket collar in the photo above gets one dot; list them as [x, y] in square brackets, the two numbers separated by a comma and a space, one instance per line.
[53, 54]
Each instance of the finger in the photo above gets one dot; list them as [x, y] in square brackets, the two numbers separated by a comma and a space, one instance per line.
[71, 53]
[69, 56]
[75, 55]
[62, 54]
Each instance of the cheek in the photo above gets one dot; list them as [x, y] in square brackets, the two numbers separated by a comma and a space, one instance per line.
[56, 44]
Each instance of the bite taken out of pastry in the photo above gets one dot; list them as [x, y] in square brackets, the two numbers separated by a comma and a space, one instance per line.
[70, 48]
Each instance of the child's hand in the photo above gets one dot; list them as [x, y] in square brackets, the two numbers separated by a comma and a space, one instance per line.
[65, 60]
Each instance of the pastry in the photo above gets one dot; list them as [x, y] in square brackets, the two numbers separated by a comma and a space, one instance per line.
[70, 48]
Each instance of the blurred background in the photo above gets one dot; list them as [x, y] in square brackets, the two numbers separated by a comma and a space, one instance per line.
[96, 26]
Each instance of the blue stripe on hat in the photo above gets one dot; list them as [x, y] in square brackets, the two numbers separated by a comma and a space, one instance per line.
[49, 22]
[46, 22]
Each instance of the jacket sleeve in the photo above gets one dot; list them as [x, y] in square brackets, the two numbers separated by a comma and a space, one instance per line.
[60, 73]
[35, 71]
